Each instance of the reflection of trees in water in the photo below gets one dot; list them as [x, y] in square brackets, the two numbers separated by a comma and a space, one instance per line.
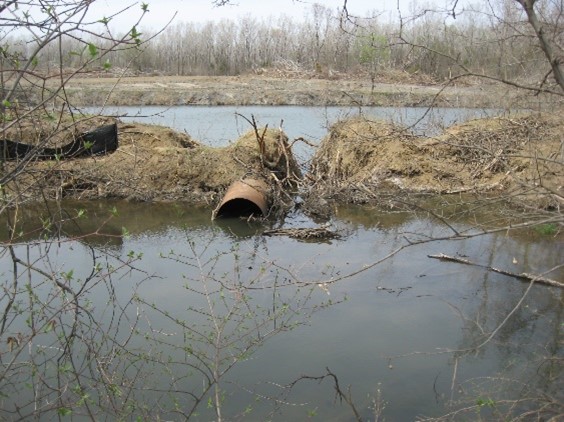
[233, 302]
[130, 343]
[99, 223]
[57, 295]
[229, 271]
[527, 345]
[373, 217]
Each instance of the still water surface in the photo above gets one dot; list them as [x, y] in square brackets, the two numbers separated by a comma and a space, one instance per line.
[220, 125]
[383, 332]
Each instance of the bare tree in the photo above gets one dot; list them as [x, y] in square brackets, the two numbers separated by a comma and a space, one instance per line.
[548, 32]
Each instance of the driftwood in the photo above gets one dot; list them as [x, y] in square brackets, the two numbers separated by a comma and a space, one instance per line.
[521, 276]
[303, 233]
[101, 140]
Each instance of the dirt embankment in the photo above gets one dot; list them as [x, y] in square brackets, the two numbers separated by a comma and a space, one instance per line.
[265, 90]
[519, 157]
[356, 161]
[359, 159]
[154, 163]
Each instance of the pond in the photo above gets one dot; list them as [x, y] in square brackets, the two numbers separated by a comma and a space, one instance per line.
[220, 125]
[169, 300]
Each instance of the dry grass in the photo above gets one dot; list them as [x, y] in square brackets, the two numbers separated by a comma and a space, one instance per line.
[360, 157]
[156, 163]
[358, 161]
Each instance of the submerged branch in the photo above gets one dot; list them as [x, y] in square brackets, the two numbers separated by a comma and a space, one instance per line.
[521, 276]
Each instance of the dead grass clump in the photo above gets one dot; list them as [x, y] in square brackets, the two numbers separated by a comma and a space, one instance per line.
[525, 154]
[215, 169]
[269, 151]
[361, 154]
[520, 157]
[355, 150]
[486, 145]
[139, 169]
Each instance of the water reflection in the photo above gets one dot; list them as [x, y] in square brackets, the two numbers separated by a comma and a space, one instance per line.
[102, 222]
[372, 217]
[171, 260]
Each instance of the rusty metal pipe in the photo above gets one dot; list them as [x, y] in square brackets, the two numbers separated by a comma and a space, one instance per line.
[244, 198]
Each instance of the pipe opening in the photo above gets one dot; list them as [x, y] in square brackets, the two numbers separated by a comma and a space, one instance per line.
[243, 199]
[239, 207]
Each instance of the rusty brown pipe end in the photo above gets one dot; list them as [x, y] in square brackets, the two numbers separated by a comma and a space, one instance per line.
[243, 198]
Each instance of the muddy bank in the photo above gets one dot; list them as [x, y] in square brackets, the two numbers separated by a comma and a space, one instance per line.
[262, 90]
[358, 161]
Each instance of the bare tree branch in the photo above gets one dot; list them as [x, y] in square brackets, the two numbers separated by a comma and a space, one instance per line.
[555, 59]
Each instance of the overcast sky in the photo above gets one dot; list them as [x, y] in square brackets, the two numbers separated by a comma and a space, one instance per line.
[161, 11]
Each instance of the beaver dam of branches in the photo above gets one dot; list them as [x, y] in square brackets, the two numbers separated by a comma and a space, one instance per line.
[360, 161]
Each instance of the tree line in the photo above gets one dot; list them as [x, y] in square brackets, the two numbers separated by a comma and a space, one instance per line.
[493, 40]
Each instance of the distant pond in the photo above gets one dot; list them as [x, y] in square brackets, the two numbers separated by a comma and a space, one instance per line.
[220, 125]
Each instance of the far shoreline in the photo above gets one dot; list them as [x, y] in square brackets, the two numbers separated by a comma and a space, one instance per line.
[260, 90]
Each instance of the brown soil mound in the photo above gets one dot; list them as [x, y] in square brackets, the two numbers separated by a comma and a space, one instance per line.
[360, 158]
[359, 161]
[157, 163]
[49, 131]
